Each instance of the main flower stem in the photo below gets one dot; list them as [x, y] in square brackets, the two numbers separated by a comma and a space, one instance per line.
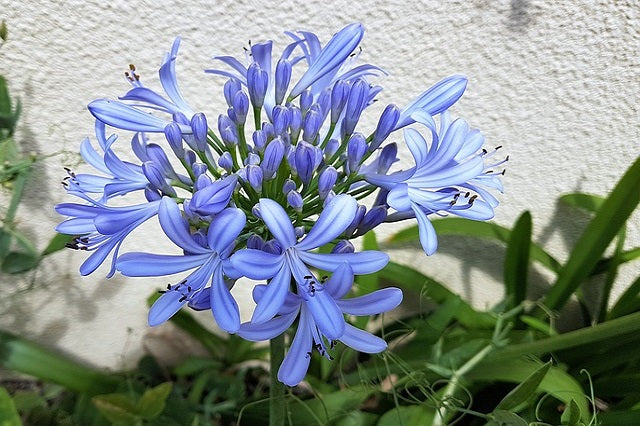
[277, 390]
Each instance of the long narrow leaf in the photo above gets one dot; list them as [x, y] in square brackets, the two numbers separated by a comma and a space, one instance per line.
[589, 202]
[516, 260]
[628, 303]
[607, 222]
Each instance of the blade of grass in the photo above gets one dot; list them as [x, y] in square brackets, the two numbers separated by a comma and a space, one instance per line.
[516, 260]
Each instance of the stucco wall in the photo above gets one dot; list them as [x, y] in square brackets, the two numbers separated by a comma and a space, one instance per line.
[556, 83]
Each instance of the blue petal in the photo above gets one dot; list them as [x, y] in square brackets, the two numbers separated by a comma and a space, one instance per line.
[333, 220]
[450, 144]
[278, 222]
[256, 264]
[448, 176]
[373, 303]
[362, 341]
[291, 301]
[168, 80]
[273, 297]
[213, 198]
[428, 237]
[478, 211]
[326, 314]
[364, 262]
[156, 265]
[267, 330]
[225, 228]
[389, 181]
[92, 157]
[340, 282]
[165, 307]
[145, 94]
[223, 305]
[296, 362]
[398, 197]
[125, 117]
[176, 227]
[417, 145]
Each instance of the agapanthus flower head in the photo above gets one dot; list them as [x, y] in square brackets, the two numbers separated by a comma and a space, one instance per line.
[284, 169]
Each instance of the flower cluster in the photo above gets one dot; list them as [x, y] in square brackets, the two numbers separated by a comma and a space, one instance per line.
[257, 199]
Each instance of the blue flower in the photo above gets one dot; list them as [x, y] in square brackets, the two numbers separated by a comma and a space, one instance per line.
[309, 333]
[447, 174]
[101, 228]
[208, 255]
[295, 256]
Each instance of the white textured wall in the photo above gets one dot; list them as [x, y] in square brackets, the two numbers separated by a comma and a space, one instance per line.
[555, 83]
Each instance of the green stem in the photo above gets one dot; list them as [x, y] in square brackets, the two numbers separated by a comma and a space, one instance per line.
[277, 390]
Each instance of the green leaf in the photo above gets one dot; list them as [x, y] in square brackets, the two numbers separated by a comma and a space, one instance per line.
[628, 302]
[611, 216]
[588, 202]
[516, 260]
[8, 413]
[5, 243]
[539, 325]
[413, 415]
[3, 31]
[57, 243]
[472, 228]
[118, 408]
[619, 418]
[506, 418]
[17, 262]
[154, 400]
[5, 99]
[521, 393]
[516, 370]
[357, 418]
[571, 415]
[21, 355]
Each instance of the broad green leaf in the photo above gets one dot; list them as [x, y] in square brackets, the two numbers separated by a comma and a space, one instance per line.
[57, 243]
[589, 202]
[516, 370]
[628, 302]
[153, 401]
[571, 415]
[23, 356]
[506, 418]
[516, 260]
[409, 279]
[8, 413]
[471, 228]
[118, 408]
[413, 415]
[195, 365]
[16, 262]
[611, 216]
[521, 393]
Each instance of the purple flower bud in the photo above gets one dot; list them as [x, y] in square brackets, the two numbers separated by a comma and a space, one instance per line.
[189, 157]
[202, 182]
[306, 99]
[231, 87]
[268, 130]
[339, 95]
[240, 106]
[324, 101]
[299, 231]
[156, 178]
[331, 148]
[152, 195]
[291, 159]
[326, 180]
[289, 185]
[294, 199]
[257, 81]
[226, 161]
[295, 123]
[252, 158]
[231, 113]
[356, 220]
[200, 129]
[156, 154]
[174, 137]
[215, 197]
[343, 246]
[388, 156]
[254, 177]
[312, 123]
[373, 218]
[255, 242]
[273, 154]
[255, 210]
[281, 119]
[259, 140]
[282, 79]
[229, 136]
[273, 247]
[330, 197]
[386, 124]
[358, 97]
[199, 169]
[356, 149]
[306, 161]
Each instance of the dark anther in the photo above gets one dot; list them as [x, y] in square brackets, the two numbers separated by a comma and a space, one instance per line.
[182, 299]
[324, 279]
[503, 172]
[183, 281]
[484, 151]
[467, 194]
[330, 358]
[506, 158]
[168, 286]
[332, 344]
[489, 171]
[309, 354]
[498, 147]
[162, 291]
[307, 277]
[189, 288]
[132, 67]
[453, 202]
[73, 246]
[472, 199]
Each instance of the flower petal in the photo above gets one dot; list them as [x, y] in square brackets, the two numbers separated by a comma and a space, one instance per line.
[176, 227]
[340, 282]
[296, 362]
[156, 265]
[428, 237]
[165, 307]
[267, 330]
[417, 145]
[326, 314]
[373, 303]
[362, 341]
[223, 305]
[278, 222]
[225, 228]
[364, 262]
[256, 264]
[398, 197]
[332, 222]
[273, 297]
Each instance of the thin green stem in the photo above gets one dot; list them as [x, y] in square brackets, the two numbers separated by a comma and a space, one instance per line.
[277, 390]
